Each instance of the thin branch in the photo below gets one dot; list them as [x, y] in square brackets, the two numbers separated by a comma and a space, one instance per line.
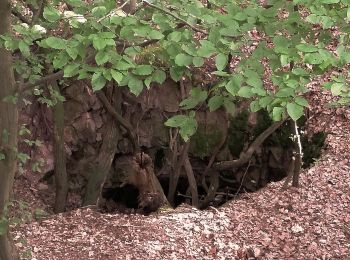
[245, 173]
[174, 178]
[299, 157]
[142, 44]
[174, 16]
[128, 127]
[191, 181]
[54, 76]
[245, 157]
[38, 12]
[20, 16]
[51, 77]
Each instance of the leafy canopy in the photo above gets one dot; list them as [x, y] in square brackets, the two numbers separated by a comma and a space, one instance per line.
[99, 42]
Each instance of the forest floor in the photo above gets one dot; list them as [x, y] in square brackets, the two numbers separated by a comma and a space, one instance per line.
[310, 222]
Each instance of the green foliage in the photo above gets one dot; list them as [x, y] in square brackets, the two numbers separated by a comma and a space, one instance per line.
[99, 42]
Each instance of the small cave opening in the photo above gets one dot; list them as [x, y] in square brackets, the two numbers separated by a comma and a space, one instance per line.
[123, 199]
[270, 165]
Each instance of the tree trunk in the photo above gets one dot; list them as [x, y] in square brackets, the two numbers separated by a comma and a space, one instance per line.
[102, 165]
[8, 131]
[61, 179]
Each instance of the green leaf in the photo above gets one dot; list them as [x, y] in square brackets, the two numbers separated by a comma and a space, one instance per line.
[176, 73]
[330, 1]
[175, 36]
[98, 81]
[313, 18]
[300, 72]
[71, 70]
[245, 92]
[101, 57]
[188, 129]
[234, 84]
[2, 156]
[277, 113]
[56, 43]
[198, 61]
[337, 88]
[72, 52]
[301, 101]
[148, 82]
[295, 111]
[117, 76]
[143, 70]
[23, 157]
[230, 107]
[99, 43]
[215, 102]
[99, 11]
[183, 60]
[255, 82]
[51, 14]
[221, 61]
[306, 47]
[285, 92]
[24, 48]
[207, 49]
[196, 96]
[265, 101]
[189, 103]
[176, 121]
[60, 60]
[255, 106]
[156, 35]
[135, 85]
[159, 76]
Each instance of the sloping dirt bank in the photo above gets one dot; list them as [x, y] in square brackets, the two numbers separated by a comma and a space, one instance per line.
[312, 222]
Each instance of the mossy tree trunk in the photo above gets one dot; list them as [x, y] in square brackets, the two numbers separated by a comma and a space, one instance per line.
[8, 131]
[61, 179]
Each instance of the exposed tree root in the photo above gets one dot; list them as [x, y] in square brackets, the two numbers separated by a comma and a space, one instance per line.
[192, 181]
[174, 178]
[245, 156]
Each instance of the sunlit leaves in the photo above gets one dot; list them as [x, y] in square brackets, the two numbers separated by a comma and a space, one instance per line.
[98, 81]
[295, 111]
[186, 123]
[221, 61]
[55, 43]
[183, 60]
[51, 14]
[215, 102]
[135, 85]
[71, 70]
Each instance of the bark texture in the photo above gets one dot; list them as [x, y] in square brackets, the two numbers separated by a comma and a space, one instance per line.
[103, 163]
[61, 179]
[8, 130]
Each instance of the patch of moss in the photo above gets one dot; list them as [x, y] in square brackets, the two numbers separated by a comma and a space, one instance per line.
[238, 133]
[264, 122]
[205, 140]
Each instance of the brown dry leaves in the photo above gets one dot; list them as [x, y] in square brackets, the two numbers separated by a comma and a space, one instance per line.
[306, 223]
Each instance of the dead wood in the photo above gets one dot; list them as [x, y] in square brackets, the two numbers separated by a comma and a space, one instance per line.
[245, 156]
